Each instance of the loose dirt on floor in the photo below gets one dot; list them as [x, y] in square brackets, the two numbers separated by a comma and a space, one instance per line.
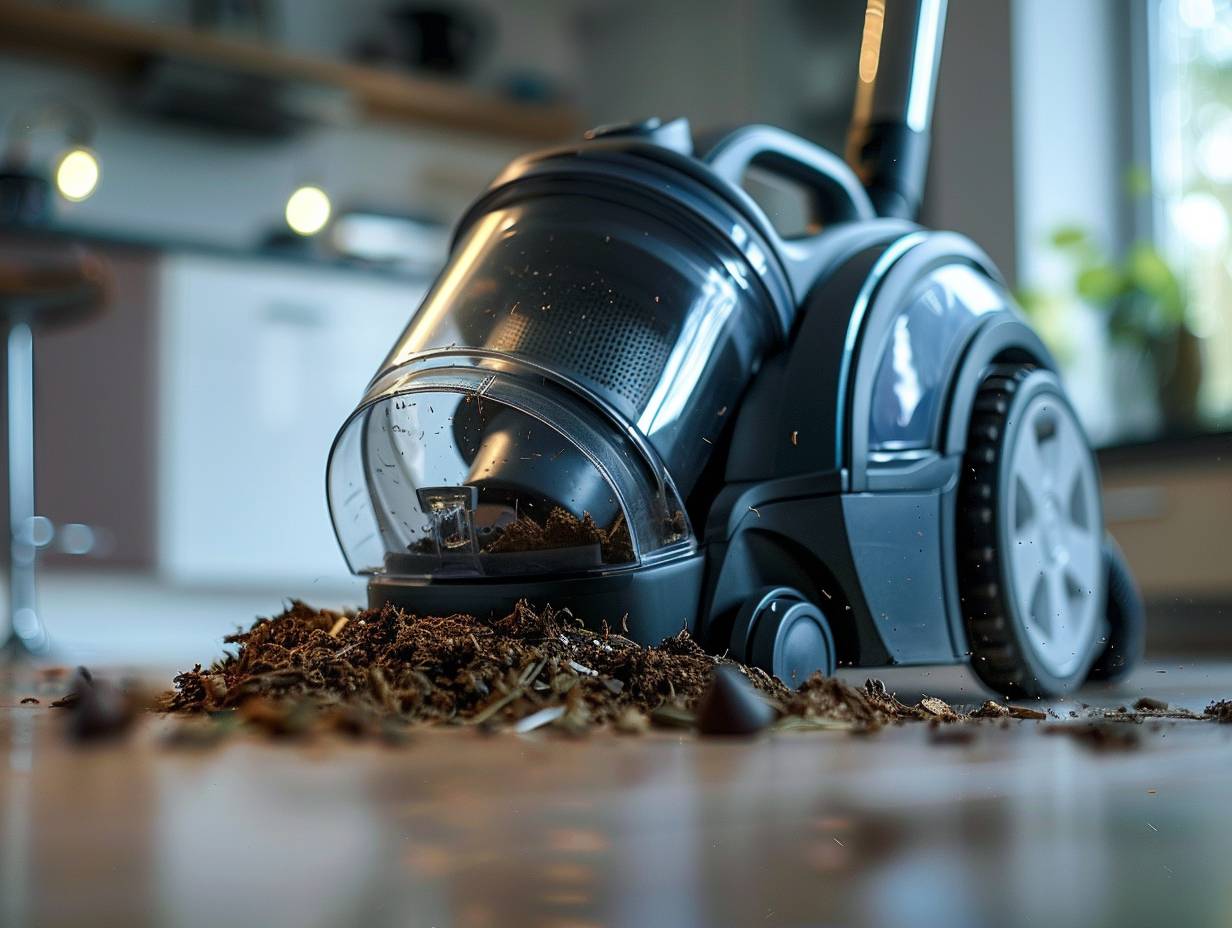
[381, 673]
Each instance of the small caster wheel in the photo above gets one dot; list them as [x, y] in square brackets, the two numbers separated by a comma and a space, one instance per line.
[780, 631]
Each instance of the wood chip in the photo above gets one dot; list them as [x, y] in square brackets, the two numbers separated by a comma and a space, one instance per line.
[1022, 712]
[538, 719]
[806, 723]
[496, 705]
[673, 716]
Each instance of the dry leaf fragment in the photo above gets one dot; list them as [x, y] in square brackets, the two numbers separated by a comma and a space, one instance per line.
[938, 707]
[632, 722]
[991, 710]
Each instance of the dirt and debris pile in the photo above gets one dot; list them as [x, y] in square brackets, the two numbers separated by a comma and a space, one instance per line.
[361, 672]
[1220, 711]
[456, 668]
[562, 529]
[378, 671]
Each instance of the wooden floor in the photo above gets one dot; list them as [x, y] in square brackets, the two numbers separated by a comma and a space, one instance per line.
[457, 829]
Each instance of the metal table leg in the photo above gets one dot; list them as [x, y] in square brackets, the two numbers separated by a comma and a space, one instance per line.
[26, 633]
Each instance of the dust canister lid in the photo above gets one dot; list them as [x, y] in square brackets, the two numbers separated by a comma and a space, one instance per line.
[460, 465]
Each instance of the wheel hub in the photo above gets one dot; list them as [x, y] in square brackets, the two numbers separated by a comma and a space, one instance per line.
[1052, 530]
[1051, 533]
[780, 631]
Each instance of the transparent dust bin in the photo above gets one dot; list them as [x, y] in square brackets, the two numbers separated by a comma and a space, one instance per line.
[466, 465]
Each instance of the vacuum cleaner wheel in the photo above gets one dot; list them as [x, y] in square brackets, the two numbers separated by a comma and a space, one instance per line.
[780, 631]
[1030, 536]
[1126, 620]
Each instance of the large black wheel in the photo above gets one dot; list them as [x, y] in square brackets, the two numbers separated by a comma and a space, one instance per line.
[1126, 637]
[1030, 538]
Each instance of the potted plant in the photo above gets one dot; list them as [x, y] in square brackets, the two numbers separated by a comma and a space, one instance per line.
[1143, 303]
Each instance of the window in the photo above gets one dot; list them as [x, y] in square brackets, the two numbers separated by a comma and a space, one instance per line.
[1191, 152]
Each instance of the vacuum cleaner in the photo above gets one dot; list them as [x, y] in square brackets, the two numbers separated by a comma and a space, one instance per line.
[629, 396]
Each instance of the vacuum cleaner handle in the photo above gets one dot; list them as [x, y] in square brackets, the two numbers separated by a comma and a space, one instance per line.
[838, 195]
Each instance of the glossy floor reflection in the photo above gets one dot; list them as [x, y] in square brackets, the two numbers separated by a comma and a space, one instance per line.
[1014, 827]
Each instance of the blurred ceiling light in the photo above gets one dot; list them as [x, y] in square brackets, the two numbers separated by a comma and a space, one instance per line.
[77, 174]
[308, 210]
[1201, 219]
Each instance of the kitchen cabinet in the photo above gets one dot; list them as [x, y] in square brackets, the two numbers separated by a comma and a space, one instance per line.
[188, 424]
[260, 364]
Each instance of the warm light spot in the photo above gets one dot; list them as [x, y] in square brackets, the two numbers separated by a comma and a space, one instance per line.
[77, 174]
[829, 823]
[565, 899]
[429, 861]
[308, 210]
[576, 841]
[870, 44]
[570, 873]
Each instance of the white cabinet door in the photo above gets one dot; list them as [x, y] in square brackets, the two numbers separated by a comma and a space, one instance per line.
[261, 362]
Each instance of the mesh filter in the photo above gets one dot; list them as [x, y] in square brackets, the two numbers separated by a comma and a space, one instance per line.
[602, 335]
[663, 323]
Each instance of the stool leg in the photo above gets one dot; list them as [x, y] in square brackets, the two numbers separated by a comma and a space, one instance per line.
[27, 632]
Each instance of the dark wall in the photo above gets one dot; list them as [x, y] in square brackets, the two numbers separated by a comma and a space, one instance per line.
[96, 409]
[971, 175]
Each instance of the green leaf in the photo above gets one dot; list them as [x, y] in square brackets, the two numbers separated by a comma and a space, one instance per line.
[1030, 299]
[1137, 181]
[1149, 271]
[1069, 237]
[1052, 316]
[1100, 284]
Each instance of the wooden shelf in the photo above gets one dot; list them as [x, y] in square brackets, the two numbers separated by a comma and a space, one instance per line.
[114, 44]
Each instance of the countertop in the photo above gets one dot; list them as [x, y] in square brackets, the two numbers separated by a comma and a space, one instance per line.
[295, 254]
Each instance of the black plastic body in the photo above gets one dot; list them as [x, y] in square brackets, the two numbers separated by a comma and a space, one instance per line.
[648, 604]
[900, 156]
[813, 488]
[805, 505]
[802, 502]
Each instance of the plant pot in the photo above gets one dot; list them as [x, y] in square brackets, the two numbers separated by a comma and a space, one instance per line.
[1178, 376]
